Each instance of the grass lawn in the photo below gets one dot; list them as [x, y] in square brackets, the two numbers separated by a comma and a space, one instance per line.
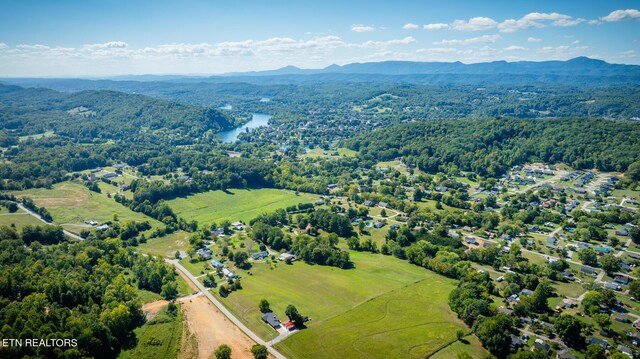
[71, 203]
[166, 246]
[19, 219]
[235, 204]
[409, 322]
[158, 338]
[320, 153]
[323, 293]
[471, 345]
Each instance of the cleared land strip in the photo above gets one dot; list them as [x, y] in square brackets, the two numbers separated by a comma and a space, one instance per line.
[224, 310]
[30, 212]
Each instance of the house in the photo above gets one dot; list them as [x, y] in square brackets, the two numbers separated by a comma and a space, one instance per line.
[216, 264]
[110, 175]
[260, 255]
[204, 255]
[568, 275]
[621, 318]
[91, 223]
[102, 227]
[603, 250]
[513, 298]
[285, 256]
[383, 204]
[568, 303]
[611, 285]
[369, 203]
[119, 166]
[289, 325]
[516, 342]
[625, 350]
[598, 341]
[552, 241]
[184, 178]
[622, 232]
[378, 224]
[395, 227]
[621, 279]
[92, 178]
[539, 343]
[504, 310]
[237, 226]
[470, 240]
[526, 292]
[218, 232]
[228, 273]
[332, 186]
[97, 169]
[271, 319]
[125, 187]
[634, 255]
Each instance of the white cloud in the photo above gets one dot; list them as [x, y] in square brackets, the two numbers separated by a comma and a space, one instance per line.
[538, 19]
[515, 48]
[474, 24]
[33, 47]
[362, 28]
[410, 26]
[438, 50]
[622, 15]
[436, 26]
[3, 45]
[473, 40]
[533, 39]
[107, 45]
[369, 44]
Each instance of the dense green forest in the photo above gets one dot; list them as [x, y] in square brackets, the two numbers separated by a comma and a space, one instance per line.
[490, 147]
[86, 291]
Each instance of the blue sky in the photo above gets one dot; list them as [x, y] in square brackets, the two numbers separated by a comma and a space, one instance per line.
[102, 38]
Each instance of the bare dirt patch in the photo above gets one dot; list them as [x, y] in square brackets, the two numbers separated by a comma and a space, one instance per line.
[212, 329]
[152, 309]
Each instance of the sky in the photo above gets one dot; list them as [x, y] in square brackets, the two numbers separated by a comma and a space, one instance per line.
[96, 38]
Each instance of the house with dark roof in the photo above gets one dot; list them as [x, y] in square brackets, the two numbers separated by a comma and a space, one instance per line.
[611, 285]
[516, 342]
[260, 255]
[625, 350]
[216, 264]
[621, 279]
[601, 342]
[539, 343]
[622, 318]
[271, 319]
[588, 270]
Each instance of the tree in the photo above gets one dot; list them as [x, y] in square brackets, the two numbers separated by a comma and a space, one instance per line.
[240, 258]
[459, 334]
[591, 302]
[294, 316]
[170, 290]
[633, 171]
[177, 255]
[570, 330]
[603, 320]
[588, 256]
[223, 352]
[264, 306]
[594, 351]
[634, 233]
[634, 289]
[259, 351]
[610, 263]
[383, 213]
[494, 333]
[539, 297]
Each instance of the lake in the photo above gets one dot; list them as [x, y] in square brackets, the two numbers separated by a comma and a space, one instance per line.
[257, 120]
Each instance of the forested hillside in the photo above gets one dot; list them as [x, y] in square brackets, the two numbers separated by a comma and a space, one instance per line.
[490, 147]
[95, 115]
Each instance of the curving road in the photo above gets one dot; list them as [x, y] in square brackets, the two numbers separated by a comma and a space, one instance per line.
[225, 311]
[34, 214]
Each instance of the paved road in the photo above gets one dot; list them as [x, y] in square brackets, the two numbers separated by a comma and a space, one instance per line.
[557, 176]
[34, 214]
[225, 311]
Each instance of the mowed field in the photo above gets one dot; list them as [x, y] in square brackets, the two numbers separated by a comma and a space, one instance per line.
[19, 219]
[401, 310]
[235, 204]
[71, 203]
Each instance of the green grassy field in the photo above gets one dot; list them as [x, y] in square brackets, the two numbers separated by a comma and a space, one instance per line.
[158, 338]
[71, 203]
[331, 297]
[320, 153]
[470, 345]
[166, 246]
[409, 322]
[19, 219]
[235, 204]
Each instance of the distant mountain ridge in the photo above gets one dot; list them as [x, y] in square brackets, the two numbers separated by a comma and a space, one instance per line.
[583, 66]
